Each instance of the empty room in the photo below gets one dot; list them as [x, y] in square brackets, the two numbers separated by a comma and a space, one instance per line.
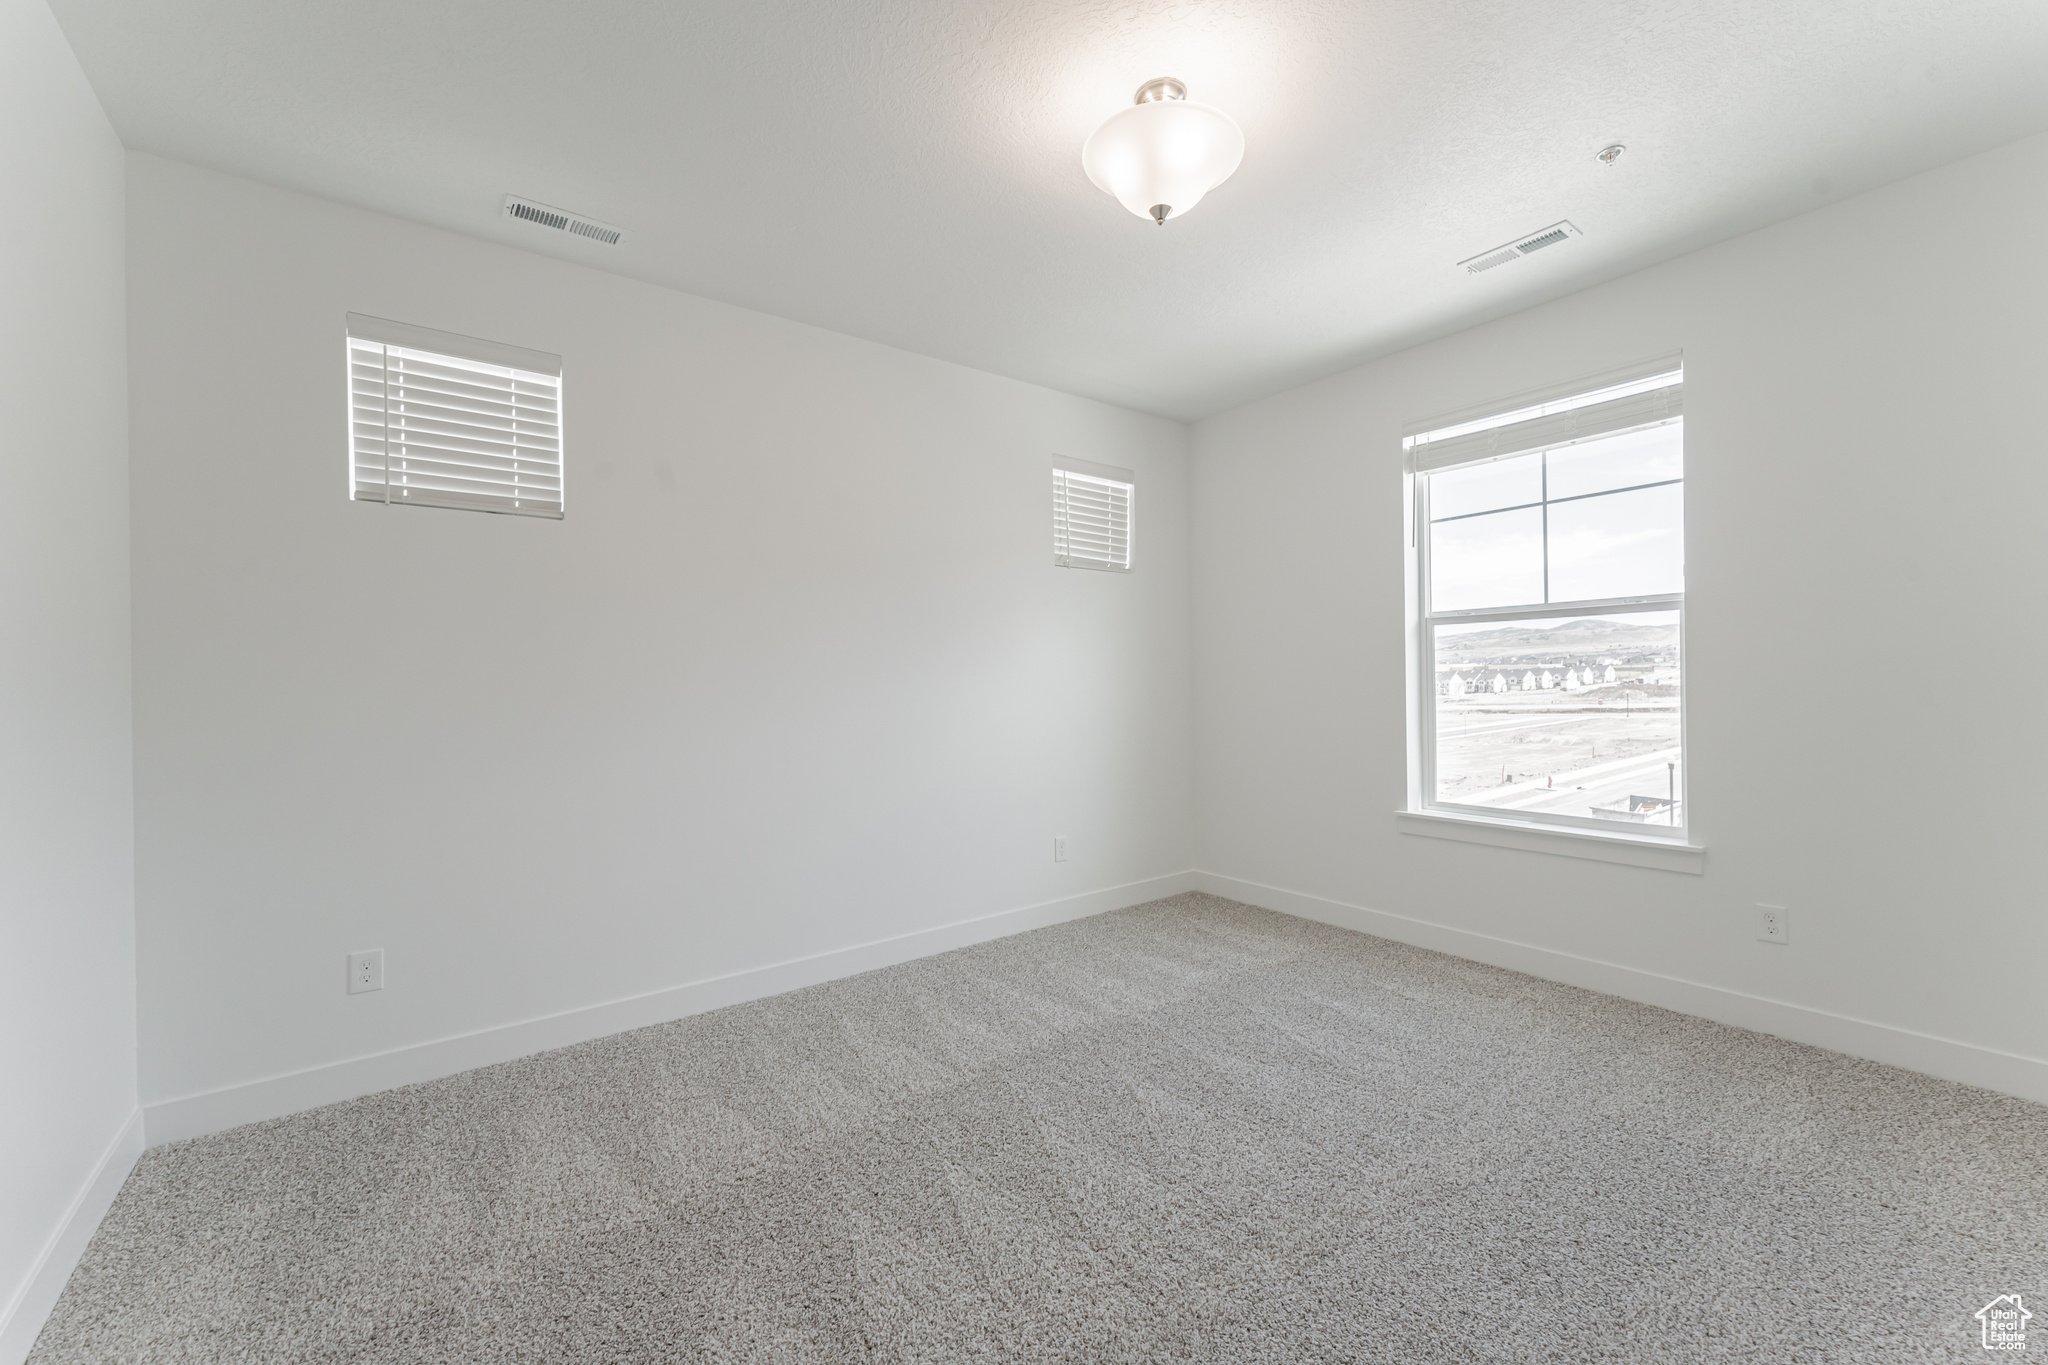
[1233, 680]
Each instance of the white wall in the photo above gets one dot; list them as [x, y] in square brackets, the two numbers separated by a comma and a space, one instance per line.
[67, 1015]
[1867, 478]
[795, 673]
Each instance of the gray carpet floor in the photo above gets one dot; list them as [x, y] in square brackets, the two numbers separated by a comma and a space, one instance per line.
[1190, 1130]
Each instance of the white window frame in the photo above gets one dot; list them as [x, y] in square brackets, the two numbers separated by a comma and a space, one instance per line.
[383, 333]
[1590, 409]
[1062, 464]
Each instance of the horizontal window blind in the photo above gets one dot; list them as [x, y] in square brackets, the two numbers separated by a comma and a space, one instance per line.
[1091, 518]
[438, 420]
[1641, 402]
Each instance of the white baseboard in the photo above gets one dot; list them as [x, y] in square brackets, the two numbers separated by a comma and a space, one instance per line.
[2026, 1077]
[30, 1307]
[271, 1097]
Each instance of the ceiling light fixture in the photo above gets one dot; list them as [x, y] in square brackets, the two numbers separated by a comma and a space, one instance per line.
[1610, 154]
[1160, 156]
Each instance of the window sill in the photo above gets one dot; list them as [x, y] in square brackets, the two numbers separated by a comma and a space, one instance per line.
[1633, 850]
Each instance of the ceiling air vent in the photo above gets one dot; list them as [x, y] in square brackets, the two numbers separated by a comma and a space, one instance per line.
[1520, 247]
[561, 220]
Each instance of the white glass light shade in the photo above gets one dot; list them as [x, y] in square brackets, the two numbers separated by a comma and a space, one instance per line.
[1167, 152]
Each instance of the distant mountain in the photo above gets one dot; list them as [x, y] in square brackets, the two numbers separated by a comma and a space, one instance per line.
[1592, 635]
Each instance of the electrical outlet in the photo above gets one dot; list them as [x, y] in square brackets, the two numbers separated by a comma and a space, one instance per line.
[1059, 848]
[366, 971]
[1773, 923]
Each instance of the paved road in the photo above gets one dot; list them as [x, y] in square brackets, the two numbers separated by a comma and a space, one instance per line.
[1547, 716]
[1459, 731]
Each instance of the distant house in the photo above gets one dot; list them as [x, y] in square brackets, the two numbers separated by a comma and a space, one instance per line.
[1548, 681]
[1500, 683]
[1610, 673]
[1529, 682]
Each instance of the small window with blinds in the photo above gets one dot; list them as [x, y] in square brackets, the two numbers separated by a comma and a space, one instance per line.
[1549, 542]
[1091, 515]
[440, 420]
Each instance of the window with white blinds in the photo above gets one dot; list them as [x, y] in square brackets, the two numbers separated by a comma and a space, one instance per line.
[1091, 515]
[1637, 400]
[440, 420]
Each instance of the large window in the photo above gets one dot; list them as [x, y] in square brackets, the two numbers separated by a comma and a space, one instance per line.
[1550, 541]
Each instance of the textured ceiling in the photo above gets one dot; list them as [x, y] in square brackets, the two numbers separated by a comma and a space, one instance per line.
[910, 170]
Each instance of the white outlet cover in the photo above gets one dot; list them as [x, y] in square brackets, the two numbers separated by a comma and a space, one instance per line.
[1059, 848]
[366, 971]
[1773, 923]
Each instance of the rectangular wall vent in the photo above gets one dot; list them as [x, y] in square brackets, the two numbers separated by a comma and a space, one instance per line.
[1520, 247]
[561, 220]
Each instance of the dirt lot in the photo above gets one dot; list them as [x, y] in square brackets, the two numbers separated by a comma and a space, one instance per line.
[1508, 749]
